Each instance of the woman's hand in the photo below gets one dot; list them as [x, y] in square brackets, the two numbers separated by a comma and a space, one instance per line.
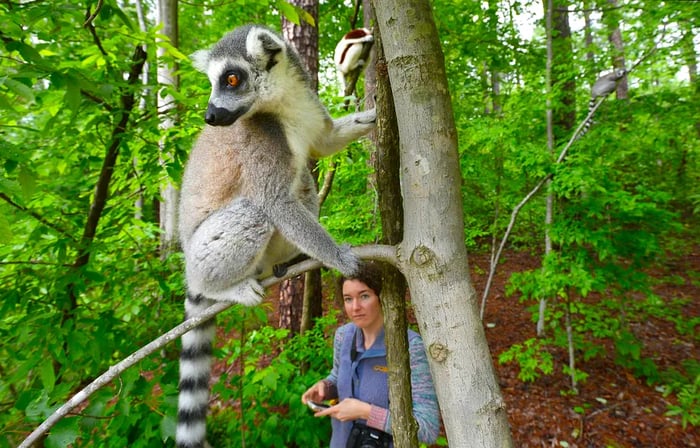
[347, 410]
[318, 392]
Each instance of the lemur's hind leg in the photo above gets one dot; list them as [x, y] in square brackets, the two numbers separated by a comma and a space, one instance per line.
[224, 251]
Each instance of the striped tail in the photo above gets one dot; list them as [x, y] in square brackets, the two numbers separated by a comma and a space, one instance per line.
[195, 372]
[589, 122]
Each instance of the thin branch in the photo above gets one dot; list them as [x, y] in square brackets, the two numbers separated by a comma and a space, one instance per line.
[516, 210]
[373, 252]
[97, 100]
[355, 15]
[36, 216]
[110, 160]
[91, 17]
[327, 182]
[33, 263]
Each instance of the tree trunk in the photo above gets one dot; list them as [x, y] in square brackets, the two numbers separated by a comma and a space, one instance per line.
[563, 80]
[292, 308]
[432, 255]
[612, 20]
[386, 167]
[588, 34]
[143, 105]
[549, 213]
[167, 17]
[290, 303]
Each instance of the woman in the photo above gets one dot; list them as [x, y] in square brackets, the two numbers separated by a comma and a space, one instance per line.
[359, 375]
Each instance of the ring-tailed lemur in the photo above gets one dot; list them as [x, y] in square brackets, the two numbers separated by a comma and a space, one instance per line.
[248, 201]
[604, 86]
[351, 56]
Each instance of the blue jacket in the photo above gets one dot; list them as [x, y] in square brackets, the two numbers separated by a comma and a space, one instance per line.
[368, 375]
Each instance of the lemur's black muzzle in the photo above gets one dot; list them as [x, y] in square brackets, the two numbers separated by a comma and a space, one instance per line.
[218, 116]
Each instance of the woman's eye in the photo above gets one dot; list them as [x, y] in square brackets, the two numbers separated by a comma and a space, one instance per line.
[364, 296]
[233, 80]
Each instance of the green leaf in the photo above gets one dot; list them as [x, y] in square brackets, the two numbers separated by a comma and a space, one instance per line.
[20, 89]
[171, 50]
[27, 180]
[167, 427]
[305, 16]
[39, 408]
[47, 375]
[72, 97]
[28, 53]
[289, 11]
[63, 434]
[5, 230]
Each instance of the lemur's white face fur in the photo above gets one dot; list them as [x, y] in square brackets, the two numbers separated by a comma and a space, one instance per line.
[250, 69]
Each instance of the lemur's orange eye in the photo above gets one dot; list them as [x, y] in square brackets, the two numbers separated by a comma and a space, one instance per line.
[233, 80]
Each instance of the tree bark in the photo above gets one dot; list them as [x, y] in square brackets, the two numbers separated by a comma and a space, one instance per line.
[588, 35]
[293, 307]
[290, 304]
[612, 20]
[168, 18]
[386, 167]
[432, 255]
[563, 80]
[549, 212]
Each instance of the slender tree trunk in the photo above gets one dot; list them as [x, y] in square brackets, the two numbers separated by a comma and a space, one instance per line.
[386, 167]
[588, 34]
[290, 306]
[168, 18]
[612, 20]
[143, 26]
[563, 80]
[563, 86]
[300, 303]
[549, 213]
[432, 255]
[570, 342]
[691, 60]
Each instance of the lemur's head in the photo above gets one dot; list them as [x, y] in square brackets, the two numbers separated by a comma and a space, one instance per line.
[250, 70]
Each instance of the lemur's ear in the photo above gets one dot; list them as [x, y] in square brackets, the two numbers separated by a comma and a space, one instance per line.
[200, 60]
[264, 47]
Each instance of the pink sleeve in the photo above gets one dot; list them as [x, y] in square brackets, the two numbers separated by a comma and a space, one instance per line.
[377, 417]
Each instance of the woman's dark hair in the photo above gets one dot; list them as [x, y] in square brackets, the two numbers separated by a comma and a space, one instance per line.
[370, 275]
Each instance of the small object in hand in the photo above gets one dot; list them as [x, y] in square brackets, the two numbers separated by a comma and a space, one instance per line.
[317, 407]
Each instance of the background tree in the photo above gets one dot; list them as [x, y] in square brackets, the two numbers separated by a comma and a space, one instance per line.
[168, 78]
[300, 297]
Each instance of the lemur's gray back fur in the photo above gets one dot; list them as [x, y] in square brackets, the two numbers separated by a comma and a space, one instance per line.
[248, 201]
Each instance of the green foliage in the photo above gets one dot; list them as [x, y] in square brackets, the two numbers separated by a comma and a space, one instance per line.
[347, 212]
[73, 303]
[532, 357]
[688, 396]
[687, 391]
[266, 374]
[441, 441]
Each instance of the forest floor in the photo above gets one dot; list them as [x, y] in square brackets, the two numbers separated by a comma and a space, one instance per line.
[620, 409]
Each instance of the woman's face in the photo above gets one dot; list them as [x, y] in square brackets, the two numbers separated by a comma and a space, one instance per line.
[362, 305]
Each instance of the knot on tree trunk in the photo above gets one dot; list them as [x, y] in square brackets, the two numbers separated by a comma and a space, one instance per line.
[438, 351]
